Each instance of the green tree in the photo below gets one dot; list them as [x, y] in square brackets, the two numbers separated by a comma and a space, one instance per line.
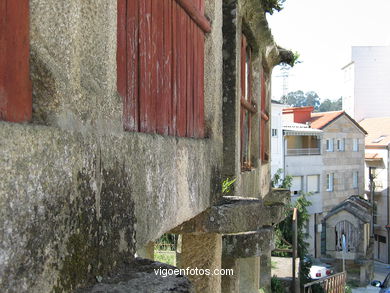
[301, 99]
[328, 105]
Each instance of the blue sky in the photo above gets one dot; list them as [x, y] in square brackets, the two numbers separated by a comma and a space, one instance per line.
[322, 32]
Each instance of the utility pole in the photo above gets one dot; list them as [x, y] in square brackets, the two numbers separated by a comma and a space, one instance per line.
[371, 177]
[295, 283]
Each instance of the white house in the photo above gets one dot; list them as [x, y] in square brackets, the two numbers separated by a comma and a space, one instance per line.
[277, 155]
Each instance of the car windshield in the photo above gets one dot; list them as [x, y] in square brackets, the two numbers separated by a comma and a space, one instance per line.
[385, 283]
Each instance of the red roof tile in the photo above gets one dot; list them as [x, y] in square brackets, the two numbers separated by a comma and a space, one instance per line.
[319, 120]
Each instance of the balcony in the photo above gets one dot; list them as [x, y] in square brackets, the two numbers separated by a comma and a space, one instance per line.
[303, 152]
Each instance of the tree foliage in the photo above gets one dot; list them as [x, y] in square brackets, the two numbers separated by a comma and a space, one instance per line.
[301, 99]
[284, 232]
[328, 105]
[272, 5]
[311, 98]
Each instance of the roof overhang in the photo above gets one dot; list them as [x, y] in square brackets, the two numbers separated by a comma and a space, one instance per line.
[292, 131]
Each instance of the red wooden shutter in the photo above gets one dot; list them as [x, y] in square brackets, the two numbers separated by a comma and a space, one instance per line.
[161, 65]
[264, 152]
[15, 84]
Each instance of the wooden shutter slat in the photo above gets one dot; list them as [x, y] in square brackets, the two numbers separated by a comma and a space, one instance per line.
[182, 49]
[15, 84]
[197, 94]
[160, 104]
[153, 59]
[196, 14]
[201, 83]
[166, 101]
[175, 67]
[190, 78]
[145, 103]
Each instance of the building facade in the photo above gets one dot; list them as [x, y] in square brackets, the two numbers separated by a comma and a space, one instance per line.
[367, 82]
[121, 120]
[324, 154]
[377, 164]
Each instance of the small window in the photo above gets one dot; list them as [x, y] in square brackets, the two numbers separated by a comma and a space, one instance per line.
[355, 145]
[329, 182]
[313, 183]
[329, 145]
[274, 132]
[355, 179]
[341, 144]
[296, 185]
[346, 230]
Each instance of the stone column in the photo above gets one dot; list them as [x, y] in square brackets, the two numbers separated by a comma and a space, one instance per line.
[147, 251]
[249, 274]
[265, 271]
[200, 252]
[230, 283]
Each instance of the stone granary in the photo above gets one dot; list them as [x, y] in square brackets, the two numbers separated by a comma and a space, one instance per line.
[350, 220]
[120, 121]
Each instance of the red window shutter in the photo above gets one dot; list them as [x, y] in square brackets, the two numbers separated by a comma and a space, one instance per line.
[161, 65]
[15, 84]
[264, 152]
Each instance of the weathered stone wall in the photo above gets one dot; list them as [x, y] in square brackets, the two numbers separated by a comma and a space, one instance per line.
[78, 195]
[248, 17]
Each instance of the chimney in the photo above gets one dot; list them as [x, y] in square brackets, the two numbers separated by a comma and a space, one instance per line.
[300, 114]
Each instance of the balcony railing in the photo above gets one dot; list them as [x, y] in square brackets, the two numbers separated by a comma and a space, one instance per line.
[303, 152]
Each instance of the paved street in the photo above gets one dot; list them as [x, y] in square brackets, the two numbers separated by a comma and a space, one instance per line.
[380, 272]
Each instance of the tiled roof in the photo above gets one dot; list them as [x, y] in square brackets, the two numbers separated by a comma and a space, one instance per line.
[319, 120]
[378, 131]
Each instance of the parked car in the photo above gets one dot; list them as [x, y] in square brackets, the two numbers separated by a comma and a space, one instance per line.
[385, 285]
[319, 271]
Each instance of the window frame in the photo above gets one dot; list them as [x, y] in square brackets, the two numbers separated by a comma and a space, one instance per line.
[340, 144]
[330, 145]
[330, 182]
[355, 145]
[318, 183]
[248, 106]
[355, 179]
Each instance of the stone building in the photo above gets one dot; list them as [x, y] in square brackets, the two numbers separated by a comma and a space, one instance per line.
[324, 152]
[121, 120]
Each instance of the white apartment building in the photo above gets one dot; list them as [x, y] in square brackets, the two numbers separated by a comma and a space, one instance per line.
[366, 90]
[277, 155]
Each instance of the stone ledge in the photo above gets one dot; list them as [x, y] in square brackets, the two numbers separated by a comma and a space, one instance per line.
[249, 244]
[139, 276]
[234, 215]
